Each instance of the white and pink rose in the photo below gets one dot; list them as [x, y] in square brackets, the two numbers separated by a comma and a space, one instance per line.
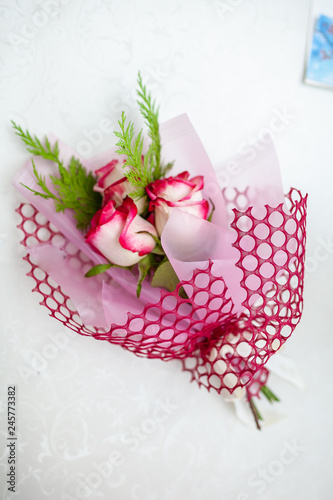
[120, 234]
[181, 192]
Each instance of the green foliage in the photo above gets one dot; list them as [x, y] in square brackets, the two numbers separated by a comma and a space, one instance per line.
[165, 276]
[149, 112]
[140, 174]
[210, 216]
[35, 147]
[269, 394]
[144, 168]
[42, 184]
[75, 189]
[73, 186]
[100, 268]
[144, 266]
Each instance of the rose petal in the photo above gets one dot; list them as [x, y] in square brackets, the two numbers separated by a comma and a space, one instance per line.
[163, 209]
[133, 236]
[116, 234]
[180, 192]
[118, 191]
[107, 175]
[172, 188]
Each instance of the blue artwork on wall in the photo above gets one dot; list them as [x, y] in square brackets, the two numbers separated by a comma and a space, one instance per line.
[320, 65]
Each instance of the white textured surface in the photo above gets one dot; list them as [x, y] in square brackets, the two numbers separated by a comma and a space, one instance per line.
[233, 66]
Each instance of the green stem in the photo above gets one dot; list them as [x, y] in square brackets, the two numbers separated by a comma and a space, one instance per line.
[269, 394]
[255, 413]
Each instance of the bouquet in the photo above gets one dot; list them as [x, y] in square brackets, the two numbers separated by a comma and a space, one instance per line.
[142, 248]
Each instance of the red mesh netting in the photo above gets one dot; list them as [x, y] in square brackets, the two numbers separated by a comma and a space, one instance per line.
[221, 350]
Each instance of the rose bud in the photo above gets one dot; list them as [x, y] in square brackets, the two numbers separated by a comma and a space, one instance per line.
[116, 233]
[180, 192]
[107, 175]
[113, 185]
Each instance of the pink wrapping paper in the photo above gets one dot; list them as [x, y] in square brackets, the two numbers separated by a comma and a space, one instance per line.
[243, 279]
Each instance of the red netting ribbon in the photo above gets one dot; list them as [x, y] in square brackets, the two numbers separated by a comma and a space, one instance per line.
[222, 350]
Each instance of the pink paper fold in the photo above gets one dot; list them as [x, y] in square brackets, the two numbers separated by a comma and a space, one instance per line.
[188, 241]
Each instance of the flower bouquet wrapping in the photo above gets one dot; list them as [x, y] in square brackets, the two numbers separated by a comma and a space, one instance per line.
[141, 247]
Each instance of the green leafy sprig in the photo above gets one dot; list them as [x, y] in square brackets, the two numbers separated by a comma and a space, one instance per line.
[149, 112]
[73, 186]
[140, 172]
[144, 167]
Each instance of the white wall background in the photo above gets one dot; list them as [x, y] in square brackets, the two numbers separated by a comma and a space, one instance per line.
[231, 65]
